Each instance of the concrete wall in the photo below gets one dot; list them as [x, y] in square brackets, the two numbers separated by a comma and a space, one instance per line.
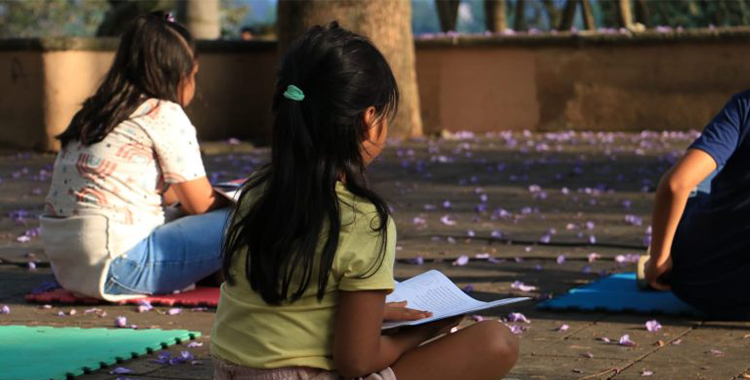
[585, 82]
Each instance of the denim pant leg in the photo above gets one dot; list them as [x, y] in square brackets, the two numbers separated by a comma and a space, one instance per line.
[174, 256]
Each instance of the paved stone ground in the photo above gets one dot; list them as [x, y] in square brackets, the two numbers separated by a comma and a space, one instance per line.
[503, 195]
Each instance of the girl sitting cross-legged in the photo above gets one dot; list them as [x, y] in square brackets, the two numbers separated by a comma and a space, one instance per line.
[310, 248]
[130, 150]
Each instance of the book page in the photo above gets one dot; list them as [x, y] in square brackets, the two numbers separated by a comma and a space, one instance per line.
[432, 291]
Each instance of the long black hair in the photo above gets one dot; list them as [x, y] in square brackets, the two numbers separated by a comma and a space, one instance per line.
[315, 142]
[155, 55]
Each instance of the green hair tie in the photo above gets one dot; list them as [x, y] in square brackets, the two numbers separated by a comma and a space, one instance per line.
[294, 93]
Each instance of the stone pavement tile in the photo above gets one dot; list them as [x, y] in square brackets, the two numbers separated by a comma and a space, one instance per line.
[706, 352]
[675, 371]
[545, 331]
[450, 247]
[201, 367]
[564, 368]
[16, 281]
[613, 327]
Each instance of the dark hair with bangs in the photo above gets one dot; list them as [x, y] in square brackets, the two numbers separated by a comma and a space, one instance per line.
[315, 143]
[154, 56]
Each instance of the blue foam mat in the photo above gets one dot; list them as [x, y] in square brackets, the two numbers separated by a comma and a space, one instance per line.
[619, 293]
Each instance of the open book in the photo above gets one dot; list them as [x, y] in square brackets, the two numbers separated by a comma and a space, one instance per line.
[432, 291]
[230, 190]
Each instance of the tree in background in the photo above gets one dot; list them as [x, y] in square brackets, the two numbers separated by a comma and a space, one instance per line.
[232, 13]
[495, 15]
[447, 13]
[569, 13]
[386, 22]
[201, 17]
[122, 12]
[51, 18]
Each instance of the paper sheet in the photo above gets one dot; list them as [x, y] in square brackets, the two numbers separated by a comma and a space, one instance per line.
[433, 291]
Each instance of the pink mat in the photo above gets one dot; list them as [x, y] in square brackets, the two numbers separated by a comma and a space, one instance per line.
[200, 296]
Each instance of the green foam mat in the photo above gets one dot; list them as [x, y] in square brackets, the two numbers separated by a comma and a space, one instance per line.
[43, 352]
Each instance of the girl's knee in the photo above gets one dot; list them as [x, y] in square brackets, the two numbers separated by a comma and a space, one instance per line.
[498, 341]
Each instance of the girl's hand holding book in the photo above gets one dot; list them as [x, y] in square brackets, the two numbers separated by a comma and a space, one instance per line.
[397, 311]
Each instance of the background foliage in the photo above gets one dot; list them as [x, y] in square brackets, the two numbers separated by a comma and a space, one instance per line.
[34, 18]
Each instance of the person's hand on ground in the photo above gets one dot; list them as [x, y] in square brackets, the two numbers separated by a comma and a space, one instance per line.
[655, 273]
[397, 311]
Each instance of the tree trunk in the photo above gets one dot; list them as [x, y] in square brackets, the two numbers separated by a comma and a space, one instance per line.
[447, 13]
[520, 21]
[386, 22]
[588, 15]
[495, 15]
[626, 15]
[553, 13]
[744, 13]
[642, 13]
[569, 15]
[201, 17]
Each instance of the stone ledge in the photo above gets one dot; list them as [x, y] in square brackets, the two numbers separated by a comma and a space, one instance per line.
[586, 38]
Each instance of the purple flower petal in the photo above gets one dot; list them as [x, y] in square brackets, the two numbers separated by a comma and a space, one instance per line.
[121, 322]
[653, 326]
[560, 259]
[625, 341]
[446, 219]
[174, 311]
[564, 327]
[195, 344]
[5, 309]
[419, 260]
[647, 373]
[593, 256]
[518, 317]
[121, 371]
[461, 261]
[522, 287]
[163, 358]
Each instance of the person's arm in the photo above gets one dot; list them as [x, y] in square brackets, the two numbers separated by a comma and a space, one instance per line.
[169, 197]
[358, 346]
[671, 196]
[197, 196]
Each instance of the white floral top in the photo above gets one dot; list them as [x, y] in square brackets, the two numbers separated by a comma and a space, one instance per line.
[123, 176]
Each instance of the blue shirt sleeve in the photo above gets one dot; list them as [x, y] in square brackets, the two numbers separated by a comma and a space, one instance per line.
[721, 136]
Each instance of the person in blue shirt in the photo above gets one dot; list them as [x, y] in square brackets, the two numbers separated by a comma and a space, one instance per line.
[701, 238]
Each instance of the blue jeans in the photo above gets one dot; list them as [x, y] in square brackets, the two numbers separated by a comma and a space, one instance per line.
[174, 256]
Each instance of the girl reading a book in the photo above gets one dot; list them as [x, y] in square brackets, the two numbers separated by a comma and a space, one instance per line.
[310, 248]
[701, 237]
[130, 150]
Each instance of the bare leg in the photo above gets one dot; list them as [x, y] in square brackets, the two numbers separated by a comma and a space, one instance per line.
[483, 351]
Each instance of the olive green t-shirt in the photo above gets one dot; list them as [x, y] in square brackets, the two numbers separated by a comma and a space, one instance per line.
[251, 333]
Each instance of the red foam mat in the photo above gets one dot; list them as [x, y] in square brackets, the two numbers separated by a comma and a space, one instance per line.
[201, 296]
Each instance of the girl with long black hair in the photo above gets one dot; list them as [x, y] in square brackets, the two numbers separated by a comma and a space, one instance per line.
[310, 249]
[130, 150]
